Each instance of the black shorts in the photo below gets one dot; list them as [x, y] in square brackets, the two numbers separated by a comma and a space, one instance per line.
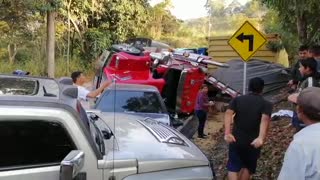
[242, 157]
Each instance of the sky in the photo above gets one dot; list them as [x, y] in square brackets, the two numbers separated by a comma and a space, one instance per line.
[190, 9]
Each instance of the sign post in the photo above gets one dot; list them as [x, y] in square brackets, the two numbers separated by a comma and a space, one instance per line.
[246, 41]
[244, 78]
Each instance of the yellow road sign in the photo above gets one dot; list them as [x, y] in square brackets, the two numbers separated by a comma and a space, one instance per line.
[247, 40]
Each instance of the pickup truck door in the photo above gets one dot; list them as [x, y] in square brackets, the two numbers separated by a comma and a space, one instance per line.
[33, 145]
[33, 149]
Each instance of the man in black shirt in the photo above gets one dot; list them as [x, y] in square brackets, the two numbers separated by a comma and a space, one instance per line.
[251, 121]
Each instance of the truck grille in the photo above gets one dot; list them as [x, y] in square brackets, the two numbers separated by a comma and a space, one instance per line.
[163, 133]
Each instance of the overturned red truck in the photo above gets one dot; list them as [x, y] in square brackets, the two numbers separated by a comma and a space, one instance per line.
[177, 75]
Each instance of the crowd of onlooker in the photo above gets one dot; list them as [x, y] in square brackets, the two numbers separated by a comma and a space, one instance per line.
[248, 117]
[305, 72]
[302, 159]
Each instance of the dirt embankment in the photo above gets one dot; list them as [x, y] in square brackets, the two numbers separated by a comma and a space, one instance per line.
[272, 154]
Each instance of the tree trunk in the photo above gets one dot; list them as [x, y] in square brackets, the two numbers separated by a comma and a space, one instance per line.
[72, 44]
[302, 29]
[51, 42]
[43, 55]
[12, 52]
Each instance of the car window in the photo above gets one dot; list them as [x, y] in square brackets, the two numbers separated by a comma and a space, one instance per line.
[130, 101]
[17, 86]
[33, 143]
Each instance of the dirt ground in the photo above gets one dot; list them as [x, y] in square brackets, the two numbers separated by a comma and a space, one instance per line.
[213, 125]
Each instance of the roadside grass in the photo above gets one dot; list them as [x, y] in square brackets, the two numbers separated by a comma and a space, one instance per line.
[38, 67]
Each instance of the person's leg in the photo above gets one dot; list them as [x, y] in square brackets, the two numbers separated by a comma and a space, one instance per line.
[244, 174]
[201, 118]
[204, 122]
[234, 164]
[232, 175]
[250, 157]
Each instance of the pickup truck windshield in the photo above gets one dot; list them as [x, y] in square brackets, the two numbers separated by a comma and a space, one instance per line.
[130, 101]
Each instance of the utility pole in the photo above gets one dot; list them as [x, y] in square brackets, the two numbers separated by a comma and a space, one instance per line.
[209, 24]
[208, 6]
[51, 14]
[69, 27]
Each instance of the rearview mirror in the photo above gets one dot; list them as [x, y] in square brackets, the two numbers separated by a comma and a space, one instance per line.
[71, 165]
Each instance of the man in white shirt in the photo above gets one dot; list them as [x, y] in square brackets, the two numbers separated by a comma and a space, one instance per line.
[302, 159]
[78, 79]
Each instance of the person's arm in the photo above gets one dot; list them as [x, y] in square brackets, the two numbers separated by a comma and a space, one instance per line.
[227, 121]
[203, 100]
[264, 126]
[293, 167]
[228, 136]
[96, 92]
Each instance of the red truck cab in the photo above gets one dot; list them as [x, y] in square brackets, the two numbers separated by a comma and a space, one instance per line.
[178, 79]
[126, 68]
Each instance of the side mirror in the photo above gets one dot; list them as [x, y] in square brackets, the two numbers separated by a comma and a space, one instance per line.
[71, 165]
[117, 62]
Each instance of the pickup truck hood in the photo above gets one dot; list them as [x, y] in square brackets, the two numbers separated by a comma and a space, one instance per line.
[147, 141]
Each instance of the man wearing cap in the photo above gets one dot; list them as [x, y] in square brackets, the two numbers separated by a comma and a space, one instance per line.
[302, 159]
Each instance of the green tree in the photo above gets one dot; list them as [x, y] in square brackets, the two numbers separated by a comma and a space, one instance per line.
[126, 18]
[298, 16]
[160, 16]
[216, 8]
[14, 24]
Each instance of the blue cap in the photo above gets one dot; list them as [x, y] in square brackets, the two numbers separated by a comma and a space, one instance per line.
[20, 72]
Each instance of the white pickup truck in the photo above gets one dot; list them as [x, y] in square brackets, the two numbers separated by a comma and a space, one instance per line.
[47, 138]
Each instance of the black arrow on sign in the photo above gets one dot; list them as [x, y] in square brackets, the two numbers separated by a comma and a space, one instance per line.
[243, 37]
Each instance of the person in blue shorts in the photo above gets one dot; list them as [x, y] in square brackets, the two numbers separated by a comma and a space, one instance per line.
[251, 113]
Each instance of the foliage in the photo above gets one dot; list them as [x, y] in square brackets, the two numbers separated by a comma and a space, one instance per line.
[94, 25]
[161, 21]
[126, 18]
[298, 17]
[226, 19]
[289, 40]
[96, 41]
[216, 8]
[85, 27]
[275, 46]
[61, 67]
